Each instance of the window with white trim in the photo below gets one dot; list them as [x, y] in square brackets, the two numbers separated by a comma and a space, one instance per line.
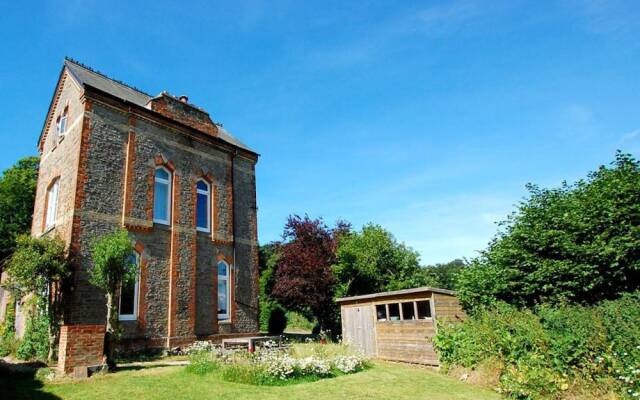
[162, 196]
[203, 206]
[129, 292]
[223, 290]
[52, 204]
[61, 123]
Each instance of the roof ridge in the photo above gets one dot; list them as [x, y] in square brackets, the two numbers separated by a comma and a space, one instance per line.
[88, 68]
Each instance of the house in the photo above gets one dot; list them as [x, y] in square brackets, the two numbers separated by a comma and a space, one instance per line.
[113, 156]
[398, 325]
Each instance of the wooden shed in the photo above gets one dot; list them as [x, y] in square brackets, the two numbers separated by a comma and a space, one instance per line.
[398, 325]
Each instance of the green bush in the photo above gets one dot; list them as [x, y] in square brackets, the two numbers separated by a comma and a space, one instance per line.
[543, 353]
[8, 341]
[273, 317]
[35, 342]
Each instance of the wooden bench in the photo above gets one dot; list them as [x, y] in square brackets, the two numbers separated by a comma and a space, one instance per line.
[249, 342]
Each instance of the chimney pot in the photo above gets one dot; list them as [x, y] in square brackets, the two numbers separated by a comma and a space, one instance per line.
[184, 99]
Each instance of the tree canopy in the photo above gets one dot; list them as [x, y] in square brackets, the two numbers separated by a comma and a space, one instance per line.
[303, 278]
[371, 260]
[112, 266]
[17, 195]
[577, 243]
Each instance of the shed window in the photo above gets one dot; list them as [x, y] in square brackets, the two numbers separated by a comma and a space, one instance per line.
[162, 196]
[394, 312]
[203, 206]
[424, 309]
[129, 293]
[408, 312]
[381, 312]
[52, 204]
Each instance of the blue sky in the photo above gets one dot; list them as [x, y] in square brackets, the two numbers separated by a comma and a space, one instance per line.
[425, 117]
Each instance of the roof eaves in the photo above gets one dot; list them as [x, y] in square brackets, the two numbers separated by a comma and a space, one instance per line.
[48, 115]
[395, 293]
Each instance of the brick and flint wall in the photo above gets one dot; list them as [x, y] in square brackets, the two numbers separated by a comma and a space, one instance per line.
[106, 171]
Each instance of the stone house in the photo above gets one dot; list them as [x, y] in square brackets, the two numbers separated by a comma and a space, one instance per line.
[113, 156]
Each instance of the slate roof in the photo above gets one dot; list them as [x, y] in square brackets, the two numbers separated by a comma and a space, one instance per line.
[86, 76]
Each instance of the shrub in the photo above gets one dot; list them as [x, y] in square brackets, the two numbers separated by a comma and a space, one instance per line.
[35, 342]
[544, 353]
[8, 341]
[276, 318]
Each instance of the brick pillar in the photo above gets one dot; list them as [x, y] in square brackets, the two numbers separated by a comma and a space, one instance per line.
[80, 346]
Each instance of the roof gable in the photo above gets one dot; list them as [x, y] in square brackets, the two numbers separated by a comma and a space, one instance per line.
[86, 76]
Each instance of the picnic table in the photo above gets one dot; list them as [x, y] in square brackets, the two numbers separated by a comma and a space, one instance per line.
[249, 341]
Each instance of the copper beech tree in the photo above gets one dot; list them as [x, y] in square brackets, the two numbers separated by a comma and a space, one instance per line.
[304, 281]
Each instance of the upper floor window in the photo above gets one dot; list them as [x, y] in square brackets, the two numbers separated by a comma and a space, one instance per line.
[203, 206]
[162, 196]
[61, 122]
[52, 204]
[129, 291]
[223, 290]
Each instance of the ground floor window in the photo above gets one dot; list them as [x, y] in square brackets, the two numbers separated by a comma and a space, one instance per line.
[223, 290]
[129, 294]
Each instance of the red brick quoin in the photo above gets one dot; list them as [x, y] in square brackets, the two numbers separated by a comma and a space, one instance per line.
[80, 346]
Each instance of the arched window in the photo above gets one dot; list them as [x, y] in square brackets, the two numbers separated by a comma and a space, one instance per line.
[162, 196]
[52, 204]
[129, 291]
[223, 290]
[203, 206]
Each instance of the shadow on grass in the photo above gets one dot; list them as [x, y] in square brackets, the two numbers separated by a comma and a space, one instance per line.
[147, 366]
[19, 382]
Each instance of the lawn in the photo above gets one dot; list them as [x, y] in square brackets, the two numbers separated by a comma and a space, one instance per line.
[382, 381]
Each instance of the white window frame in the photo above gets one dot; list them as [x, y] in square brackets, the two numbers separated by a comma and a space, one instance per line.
[136, 290]
[208, 194]
[223, 317]
[168, 199]
[62, 124]
[52, 204]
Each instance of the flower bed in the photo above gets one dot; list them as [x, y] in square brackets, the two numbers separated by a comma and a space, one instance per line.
[276, 366]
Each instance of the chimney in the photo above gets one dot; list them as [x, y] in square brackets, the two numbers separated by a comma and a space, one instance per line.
[184, 99]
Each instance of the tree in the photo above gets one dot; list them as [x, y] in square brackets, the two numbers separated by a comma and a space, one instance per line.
[577, 243]
[371, 260]
[112, 267]
[304, 281]
[38, 267]
[445, 275]
[272, 314]
[17, 195]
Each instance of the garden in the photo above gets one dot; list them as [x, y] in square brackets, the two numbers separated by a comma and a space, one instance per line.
[300, 371]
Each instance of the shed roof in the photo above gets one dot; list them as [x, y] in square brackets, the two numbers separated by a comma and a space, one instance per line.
[396, 293]
[89, 77]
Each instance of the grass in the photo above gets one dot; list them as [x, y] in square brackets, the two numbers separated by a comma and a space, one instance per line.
[382, 381]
